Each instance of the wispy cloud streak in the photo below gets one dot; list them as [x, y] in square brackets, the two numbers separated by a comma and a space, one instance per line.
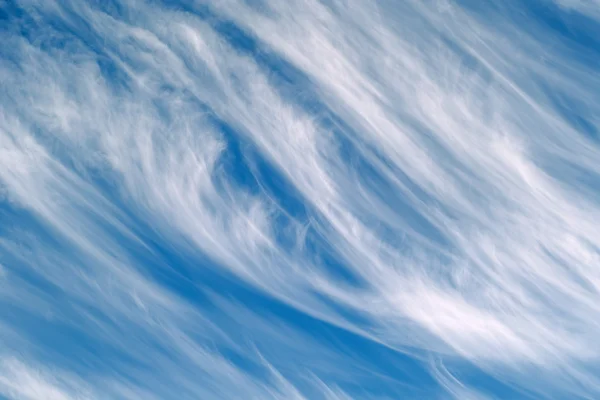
[299, 199]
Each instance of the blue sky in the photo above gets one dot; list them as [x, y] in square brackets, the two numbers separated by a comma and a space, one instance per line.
[299, 199]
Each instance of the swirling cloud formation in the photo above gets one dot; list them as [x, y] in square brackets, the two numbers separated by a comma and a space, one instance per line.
[299, 199]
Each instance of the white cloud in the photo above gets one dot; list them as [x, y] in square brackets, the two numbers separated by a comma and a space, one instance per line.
[463, 238]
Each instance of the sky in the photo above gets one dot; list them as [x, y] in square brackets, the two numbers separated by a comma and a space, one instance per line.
[299, 199]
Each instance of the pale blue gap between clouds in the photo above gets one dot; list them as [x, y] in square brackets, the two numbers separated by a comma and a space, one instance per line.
[299, 199]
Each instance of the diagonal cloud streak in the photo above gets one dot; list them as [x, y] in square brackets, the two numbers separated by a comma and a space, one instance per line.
[304, 199]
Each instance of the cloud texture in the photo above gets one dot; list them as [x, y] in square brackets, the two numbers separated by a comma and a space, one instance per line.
[300, 199]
